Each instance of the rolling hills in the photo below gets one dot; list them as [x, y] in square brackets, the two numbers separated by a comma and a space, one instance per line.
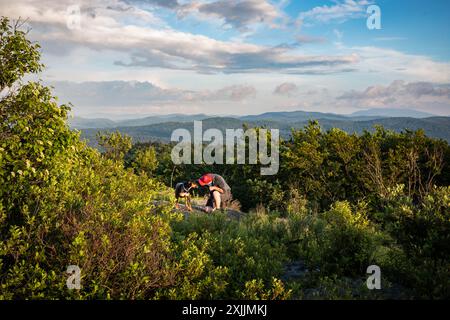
[161, 127]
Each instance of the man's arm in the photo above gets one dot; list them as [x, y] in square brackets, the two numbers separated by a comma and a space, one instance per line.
[215, 188]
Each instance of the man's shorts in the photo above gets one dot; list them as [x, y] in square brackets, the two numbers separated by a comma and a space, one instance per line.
[225, 199]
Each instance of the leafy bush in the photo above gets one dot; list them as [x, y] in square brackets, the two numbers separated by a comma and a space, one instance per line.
[255, 290]
[339, 241]
[423, 232]
[250, 249]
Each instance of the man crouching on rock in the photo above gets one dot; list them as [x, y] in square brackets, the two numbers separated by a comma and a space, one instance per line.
[219, 191]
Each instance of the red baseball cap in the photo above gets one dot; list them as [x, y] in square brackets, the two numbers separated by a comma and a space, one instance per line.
[205, 179]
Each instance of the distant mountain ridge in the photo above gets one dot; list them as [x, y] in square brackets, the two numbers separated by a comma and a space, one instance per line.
[437, 127]
[282, 116]
[392, 113]
[293, 116]
[86, 123]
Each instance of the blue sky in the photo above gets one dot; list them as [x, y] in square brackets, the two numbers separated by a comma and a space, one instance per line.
[123, 58]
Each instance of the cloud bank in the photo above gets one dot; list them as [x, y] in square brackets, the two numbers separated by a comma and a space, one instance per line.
[400, 94]
[106, 27]
[136, 93]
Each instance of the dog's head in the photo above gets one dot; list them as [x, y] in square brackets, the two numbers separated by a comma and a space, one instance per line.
[192, 185]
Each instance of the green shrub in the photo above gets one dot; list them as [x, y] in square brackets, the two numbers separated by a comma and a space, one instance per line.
[339, 241]
[423, 233]
[250, 249]
[255, 290]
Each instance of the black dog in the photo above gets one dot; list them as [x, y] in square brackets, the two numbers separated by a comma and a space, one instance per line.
[182, 190]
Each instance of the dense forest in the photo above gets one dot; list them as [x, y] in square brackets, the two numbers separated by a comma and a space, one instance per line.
[434, 127]
[340, 203]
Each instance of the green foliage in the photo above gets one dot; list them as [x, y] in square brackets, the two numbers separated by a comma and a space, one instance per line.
[145, 161]
[344, 241]
[114, 144]
[246, 248]
[423, 232]
[327, 166]
[255, 290]
[18, 55]
[196, 275]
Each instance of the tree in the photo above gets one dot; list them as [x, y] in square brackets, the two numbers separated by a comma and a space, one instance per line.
[115, 144]
[18, 55]
[145, 161]
[35, 138]
[37, 153]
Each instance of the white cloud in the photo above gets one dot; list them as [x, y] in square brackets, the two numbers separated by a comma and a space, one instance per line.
[424, 96]
[392, 64]
[103, 28]
[340, 12]
[136, 93]
[231, 93]
[286, 89]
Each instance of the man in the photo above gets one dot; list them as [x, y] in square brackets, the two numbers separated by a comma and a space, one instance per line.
[219, 191]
